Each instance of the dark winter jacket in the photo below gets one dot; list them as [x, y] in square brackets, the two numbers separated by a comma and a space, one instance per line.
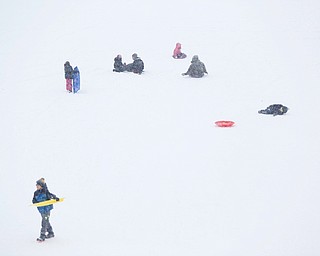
[136, 67]
[196, 69]
[118, 65]
[275, 109]
[43, 195]
[68, 71]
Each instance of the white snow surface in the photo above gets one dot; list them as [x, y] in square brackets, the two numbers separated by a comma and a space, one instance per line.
[142, 166]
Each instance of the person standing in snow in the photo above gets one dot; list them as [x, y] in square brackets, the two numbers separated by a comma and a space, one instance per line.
[197, 69]
[68, 74]
[177, 54]
[118, 65]
[137, 66]
[42, 194]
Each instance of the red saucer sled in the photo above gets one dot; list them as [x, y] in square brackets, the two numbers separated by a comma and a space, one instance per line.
[224, 123]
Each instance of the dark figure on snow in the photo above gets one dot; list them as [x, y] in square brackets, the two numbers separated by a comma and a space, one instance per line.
[42, 194]
[68, 74]
[197, 69]
[118, 65]
[275, 109]
[137, 66]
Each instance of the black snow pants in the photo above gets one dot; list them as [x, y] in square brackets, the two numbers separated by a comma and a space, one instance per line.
[45, 225]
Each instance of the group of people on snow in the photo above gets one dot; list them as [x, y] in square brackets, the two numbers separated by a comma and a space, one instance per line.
[137, 66]
[72, 77]
[197, 69]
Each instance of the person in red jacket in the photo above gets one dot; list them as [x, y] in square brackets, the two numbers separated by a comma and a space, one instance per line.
[177, 54]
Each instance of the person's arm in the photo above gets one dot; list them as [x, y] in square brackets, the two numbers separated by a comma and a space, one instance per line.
[34, 200]
[52, 196]
[204, 68]
[188, 72]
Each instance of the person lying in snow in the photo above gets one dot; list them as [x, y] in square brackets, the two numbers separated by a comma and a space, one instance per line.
[177, 54]
[197, 69]
[118, 65]
[275, 109]
[137, 66]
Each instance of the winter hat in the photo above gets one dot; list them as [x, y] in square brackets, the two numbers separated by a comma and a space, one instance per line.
[195, 58]
[284, 109]
[67, 63]
[40, 182]
[134, 56]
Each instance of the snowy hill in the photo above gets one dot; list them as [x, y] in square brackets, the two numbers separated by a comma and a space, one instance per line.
[142, 166]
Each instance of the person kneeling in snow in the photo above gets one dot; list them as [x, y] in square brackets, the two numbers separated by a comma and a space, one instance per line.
[42, 194]
[118, 65]
[275, 109]
[197, 69]
[137, 66]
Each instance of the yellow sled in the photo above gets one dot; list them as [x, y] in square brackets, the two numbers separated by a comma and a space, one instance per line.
[48, 202]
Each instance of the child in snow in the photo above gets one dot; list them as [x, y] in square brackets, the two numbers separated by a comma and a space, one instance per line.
[197, 69]
[177, 54]
[275, 109]
[118, 65]
[42, 194]
[68, 74]
[137, 66]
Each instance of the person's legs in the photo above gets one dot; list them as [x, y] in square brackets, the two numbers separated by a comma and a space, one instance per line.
[46, 226]
[69, 85]
[129, 67]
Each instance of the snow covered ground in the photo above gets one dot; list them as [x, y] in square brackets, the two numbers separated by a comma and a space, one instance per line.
[139, 160]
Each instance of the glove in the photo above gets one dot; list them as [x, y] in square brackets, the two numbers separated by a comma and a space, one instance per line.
[57, 199]
[183, 74]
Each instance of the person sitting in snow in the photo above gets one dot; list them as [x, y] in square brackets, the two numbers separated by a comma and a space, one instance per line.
[275, 109]
[197, 69]
[42, 194]
[68, 74]
[137, 66]
[177, 54]
[118, 65]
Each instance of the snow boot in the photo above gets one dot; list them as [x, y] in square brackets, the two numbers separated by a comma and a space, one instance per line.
[40, 239]
[50, 235]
